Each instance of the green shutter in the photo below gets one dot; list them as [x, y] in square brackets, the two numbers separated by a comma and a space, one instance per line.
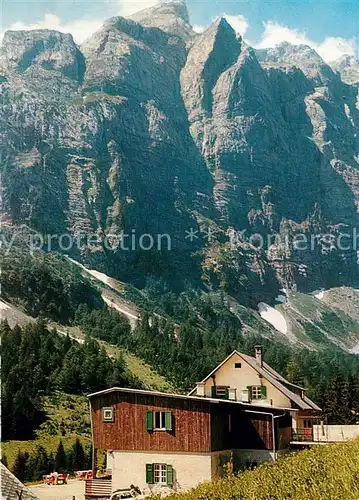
[213, 391]
[249, 387]
[264, 392]
[168, 421]
[149, 473]
[169, 475]
[149, 420]
[226, 396]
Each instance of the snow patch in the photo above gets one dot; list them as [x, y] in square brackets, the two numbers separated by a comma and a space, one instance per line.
[273, 317]
[107, 280]
[319, 295]
[112, 304]
[355, 349]
[73, 337]
[3, 306]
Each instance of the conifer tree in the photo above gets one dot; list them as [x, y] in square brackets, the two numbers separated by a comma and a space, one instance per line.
[294, 374]
[60, 459]
[79, 456]
[20, 465]
[4, 459]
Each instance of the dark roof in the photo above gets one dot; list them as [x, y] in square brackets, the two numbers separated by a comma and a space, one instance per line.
[12, 488]
[274, 378]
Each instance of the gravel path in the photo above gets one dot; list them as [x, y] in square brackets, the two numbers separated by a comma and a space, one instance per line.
[73, 488]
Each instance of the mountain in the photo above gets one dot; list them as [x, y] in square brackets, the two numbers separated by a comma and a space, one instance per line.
[348, 67]
[171, 17]
[149, 130]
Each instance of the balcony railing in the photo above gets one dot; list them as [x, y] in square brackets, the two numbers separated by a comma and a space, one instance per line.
[98, 488]
[303, 435]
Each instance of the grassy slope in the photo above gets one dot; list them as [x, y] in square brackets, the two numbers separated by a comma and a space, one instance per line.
[147, 375]
[67, 418]
[325, 472]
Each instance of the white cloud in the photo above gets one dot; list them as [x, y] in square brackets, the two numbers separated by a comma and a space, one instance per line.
[128, 7]
[80, 29]
[330, 49]
[275, 33]
[239, 23]
[198, 28]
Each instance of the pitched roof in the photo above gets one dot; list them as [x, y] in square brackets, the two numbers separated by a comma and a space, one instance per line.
[188, 397]
[12, 488]
[273, 377]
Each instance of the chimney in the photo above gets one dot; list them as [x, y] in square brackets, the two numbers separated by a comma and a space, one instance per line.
[259, 354]
[201, 389]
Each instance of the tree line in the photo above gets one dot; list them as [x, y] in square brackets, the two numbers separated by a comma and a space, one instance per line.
[36, 362]
[46, 285]
[29, 467]
[187, 352]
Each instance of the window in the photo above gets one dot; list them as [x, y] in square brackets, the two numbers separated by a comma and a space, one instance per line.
[107, 414]
[258, 392]
[158, 420]
[220, 391]
[159, 474]
[237, 365]
[307, 424]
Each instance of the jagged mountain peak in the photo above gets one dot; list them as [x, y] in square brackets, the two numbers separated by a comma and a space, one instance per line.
[213, 52]
[222, 22]
[49, 50]
[348, 67]
[176, 8]
[43, 39]
[345, 60]
[172, 17]
[286, 53]
[218, 36]
[219, 25]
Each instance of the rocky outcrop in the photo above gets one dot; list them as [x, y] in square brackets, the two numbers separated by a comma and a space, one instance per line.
[41, 51]
[348, 68]
[171, 17]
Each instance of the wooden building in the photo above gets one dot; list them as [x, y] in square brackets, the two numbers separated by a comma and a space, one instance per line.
[155, 440]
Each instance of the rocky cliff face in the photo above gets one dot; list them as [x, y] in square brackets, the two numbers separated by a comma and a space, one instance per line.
[348, 68]
[149, 128]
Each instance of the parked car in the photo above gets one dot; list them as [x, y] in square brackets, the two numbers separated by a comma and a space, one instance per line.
[131, 492]
[119, 494]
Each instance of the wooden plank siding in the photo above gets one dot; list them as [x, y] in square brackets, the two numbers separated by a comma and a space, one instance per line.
[197, 426]
[283, 432]
[191, 423]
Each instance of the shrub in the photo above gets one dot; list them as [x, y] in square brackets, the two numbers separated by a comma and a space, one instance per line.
[321, 473]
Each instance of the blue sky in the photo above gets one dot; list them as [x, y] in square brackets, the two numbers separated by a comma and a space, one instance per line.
[329, 26]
